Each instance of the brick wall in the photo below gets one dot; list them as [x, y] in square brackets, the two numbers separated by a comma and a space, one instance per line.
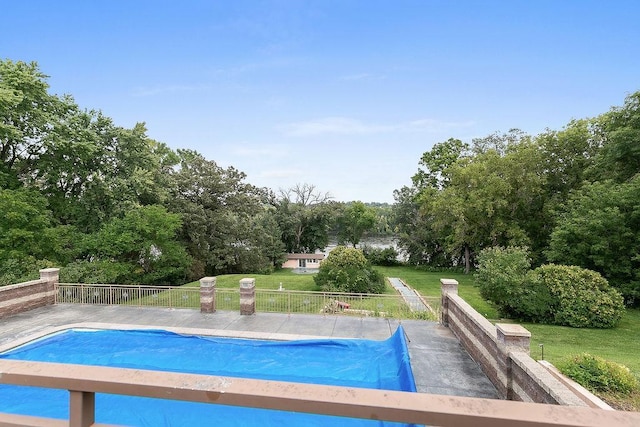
[502, 351]
[29, 295]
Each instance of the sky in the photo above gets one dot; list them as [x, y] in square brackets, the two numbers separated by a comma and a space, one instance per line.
[345, 95]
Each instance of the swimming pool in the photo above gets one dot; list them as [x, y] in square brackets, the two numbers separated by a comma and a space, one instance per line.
[345, 362]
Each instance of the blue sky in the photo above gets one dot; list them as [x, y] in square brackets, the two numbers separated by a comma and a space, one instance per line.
[345, 95]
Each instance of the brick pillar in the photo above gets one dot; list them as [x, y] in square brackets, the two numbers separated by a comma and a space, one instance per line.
[511, 338]
[447, 286]
[248, 296]
[52, 277]
[208, 295]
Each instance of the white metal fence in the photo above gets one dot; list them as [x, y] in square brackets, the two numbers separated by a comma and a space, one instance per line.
[384, 305]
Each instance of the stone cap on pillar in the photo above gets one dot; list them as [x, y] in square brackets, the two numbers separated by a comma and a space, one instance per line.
[513, 336]
[449, 286]
[208, 281]
[50, 274]
[247, 283]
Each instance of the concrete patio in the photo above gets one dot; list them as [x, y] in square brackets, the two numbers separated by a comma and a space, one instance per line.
[440, 364]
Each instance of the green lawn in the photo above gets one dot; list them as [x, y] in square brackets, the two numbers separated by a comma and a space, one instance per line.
[289, 280]
[428, 284]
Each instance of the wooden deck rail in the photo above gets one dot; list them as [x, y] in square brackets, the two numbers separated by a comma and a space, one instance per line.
[84, 381]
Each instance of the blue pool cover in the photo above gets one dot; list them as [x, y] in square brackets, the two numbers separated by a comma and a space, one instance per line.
[344, 362]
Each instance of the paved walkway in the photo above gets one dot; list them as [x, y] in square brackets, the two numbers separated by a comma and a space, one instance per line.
[412, 299]
[440, 365]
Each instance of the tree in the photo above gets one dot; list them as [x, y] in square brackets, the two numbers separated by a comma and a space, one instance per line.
[27, 113]
[491, 200]
[304, 194]
[598, 230]
[355, 220]
[413, 218]
[436, 162]
[619, 158]
[24, 222]
[219, 212]
[144, 240]
[347, 270]
[304, 216]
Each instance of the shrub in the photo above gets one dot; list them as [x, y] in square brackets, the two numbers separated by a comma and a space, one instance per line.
[501, 275]
[104, 272]
[17, 270]
[381, 256]
[599, 375]
[554, 294]
[576, 297]
[347, 270]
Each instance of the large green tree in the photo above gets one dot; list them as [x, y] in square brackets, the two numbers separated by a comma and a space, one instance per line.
[492, 199]
[27, 113]
[304, 215]
[220, 213]
[619, 158]
[355, 220]
[599, 230]
[144, 242]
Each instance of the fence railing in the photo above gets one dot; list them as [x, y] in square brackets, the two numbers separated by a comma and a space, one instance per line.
[267, 301]
[132, 295]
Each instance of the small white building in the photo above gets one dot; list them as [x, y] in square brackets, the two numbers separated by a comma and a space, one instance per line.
[311, 261]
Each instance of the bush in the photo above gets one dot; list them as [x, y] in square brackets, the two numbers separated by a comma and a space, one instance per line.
[577, 297]
[16, 270]
[599, 375]
[347, 270]
[501, 275]
[386, 257]
[553, 294]
[102, 272]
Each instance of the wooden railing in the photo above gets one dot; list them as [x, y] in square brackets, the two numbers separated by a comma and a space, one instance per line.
[423, 409]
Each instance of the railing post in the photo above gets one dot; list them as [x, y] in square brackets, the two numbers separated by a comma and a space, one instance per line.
[247, 296]
[208, 295]
[82, 408]
[447, 286]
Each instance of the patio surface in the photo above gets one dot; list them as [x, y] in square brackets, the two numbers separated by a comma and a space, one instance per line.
[440, 365]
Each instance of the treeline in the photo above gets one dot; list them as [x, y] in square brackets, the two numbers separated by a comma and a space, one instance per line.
[111, 205]
[571, 196]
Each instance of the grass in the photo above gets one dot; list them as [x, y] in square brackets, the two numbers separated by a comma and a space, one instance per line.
[428, 284]
[290, 281]
[620, 345]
